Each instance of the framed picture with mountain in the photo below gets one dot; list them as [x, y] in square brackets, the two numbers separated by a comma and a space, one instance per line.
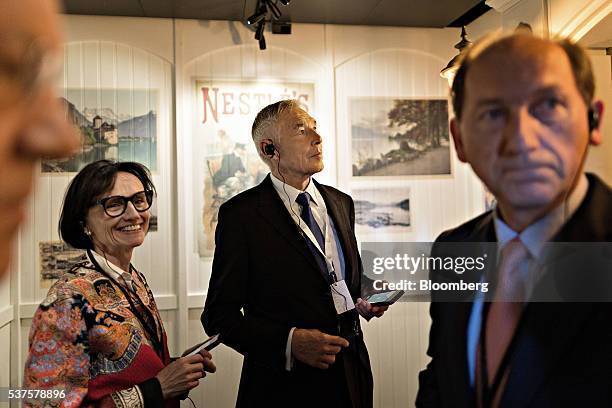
[399, 137]
[115, 124]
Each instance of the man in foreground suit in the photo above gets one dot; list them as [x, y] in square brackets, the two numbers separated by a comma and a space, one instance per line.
[285, 274]
[524, 117]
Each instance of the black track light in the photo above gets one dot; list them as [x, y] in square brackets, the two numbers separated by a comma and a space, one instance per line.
[258, 16]
[262, 43]
[285, 2]
[260, 30]
[274, 9]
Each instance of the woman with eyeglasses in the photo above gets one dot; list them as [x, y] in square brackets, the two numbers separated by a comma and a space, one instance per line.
[98, 335]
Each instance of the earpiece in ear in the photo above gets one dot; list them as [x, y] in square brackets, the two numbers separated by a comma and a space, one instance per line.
[593, 119]
[269, 149]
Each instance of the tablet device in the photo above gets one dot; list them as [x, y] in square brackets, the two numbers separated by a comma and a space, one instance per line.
[209, 344]
[384, 298]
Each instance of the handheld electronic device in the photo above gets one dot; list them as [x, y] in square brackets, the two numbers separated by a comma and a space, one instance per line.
[209, 344]
[384, 298]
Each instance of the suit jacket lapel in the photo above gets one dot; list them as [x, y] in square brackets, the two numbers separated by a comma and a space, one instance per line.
[271, 207]
[456, 375]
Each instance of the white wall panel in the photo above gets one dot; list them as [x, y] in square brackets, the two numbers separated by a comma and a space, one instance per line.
[169, 319]
[406, 74]
[95, 67]
[99, 58]
[221, 388]
[150, 34]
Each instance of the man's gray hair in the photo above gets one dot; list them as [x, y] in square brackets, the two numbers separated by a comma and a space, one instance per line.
[267, 117]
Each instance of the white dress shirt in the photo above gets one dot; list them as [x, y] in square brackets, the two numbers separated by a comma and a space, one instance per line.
[121, 277]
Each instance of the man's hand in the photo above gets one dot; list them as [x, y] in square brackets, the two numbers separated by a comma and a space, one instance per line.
[317, 349]
[367, 310]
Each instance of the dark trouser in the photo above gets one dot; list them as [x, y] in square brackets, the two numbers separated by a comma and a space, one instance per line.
[304, 386]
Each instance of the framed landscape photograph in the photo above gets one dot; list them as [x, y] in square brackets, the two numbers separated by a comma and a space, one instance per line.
[382, 211]
[399, 137]
[115, 124]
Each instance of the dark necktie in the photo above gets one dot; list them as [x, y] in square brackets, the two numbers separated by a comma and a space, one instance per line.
[303, 199]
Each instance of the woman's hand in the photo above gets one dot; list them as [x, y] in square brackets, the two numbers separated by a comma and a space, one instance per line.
[184, 374]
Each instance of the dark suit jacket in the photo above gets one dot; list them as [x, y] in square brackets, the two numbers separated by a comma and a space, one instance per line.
[264, 281]
[563, 356]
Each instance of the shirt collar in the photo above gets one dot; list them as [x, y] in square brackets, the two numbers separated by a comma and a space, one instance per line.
[537, 234]
[117, 274]
[292, 192]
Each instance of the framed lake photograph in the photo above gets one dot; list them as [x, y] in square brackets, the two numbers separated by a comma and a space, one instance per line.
[399, 137]
[382, 210]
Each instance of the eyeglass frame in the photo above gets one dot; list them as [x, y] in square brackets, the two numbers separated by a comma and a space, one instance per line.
[148, 196]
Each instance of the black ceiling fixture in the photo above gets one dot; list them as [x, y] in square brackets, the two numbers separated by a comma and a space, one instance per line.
[260, 14]
[262, 9]
[470, 15]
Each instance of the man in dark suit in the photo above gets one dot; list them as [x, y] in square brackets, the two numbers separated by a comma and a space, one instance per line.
[286, 277]
[524, 116]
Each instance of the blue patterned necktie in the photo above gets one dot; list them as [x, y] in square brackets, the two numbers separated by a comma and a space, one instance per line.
[303, 199]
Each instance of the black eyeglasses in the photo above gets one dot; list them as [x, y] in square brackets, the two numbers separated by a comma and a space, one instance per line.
[115, 206]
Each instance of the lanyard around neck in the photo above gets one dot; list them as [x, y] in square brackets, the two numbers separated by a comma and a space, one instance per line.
[153, 335]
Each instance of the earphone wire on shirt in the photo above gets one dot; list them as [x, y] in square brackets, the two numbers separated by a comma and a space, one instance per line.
[286, 193]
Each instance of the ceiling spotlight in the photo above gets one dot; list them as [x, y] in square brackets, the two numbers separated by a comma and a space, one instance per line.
[262, 43]
[274, 9]
[258, 16]
[285, 2]
[260, 30]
